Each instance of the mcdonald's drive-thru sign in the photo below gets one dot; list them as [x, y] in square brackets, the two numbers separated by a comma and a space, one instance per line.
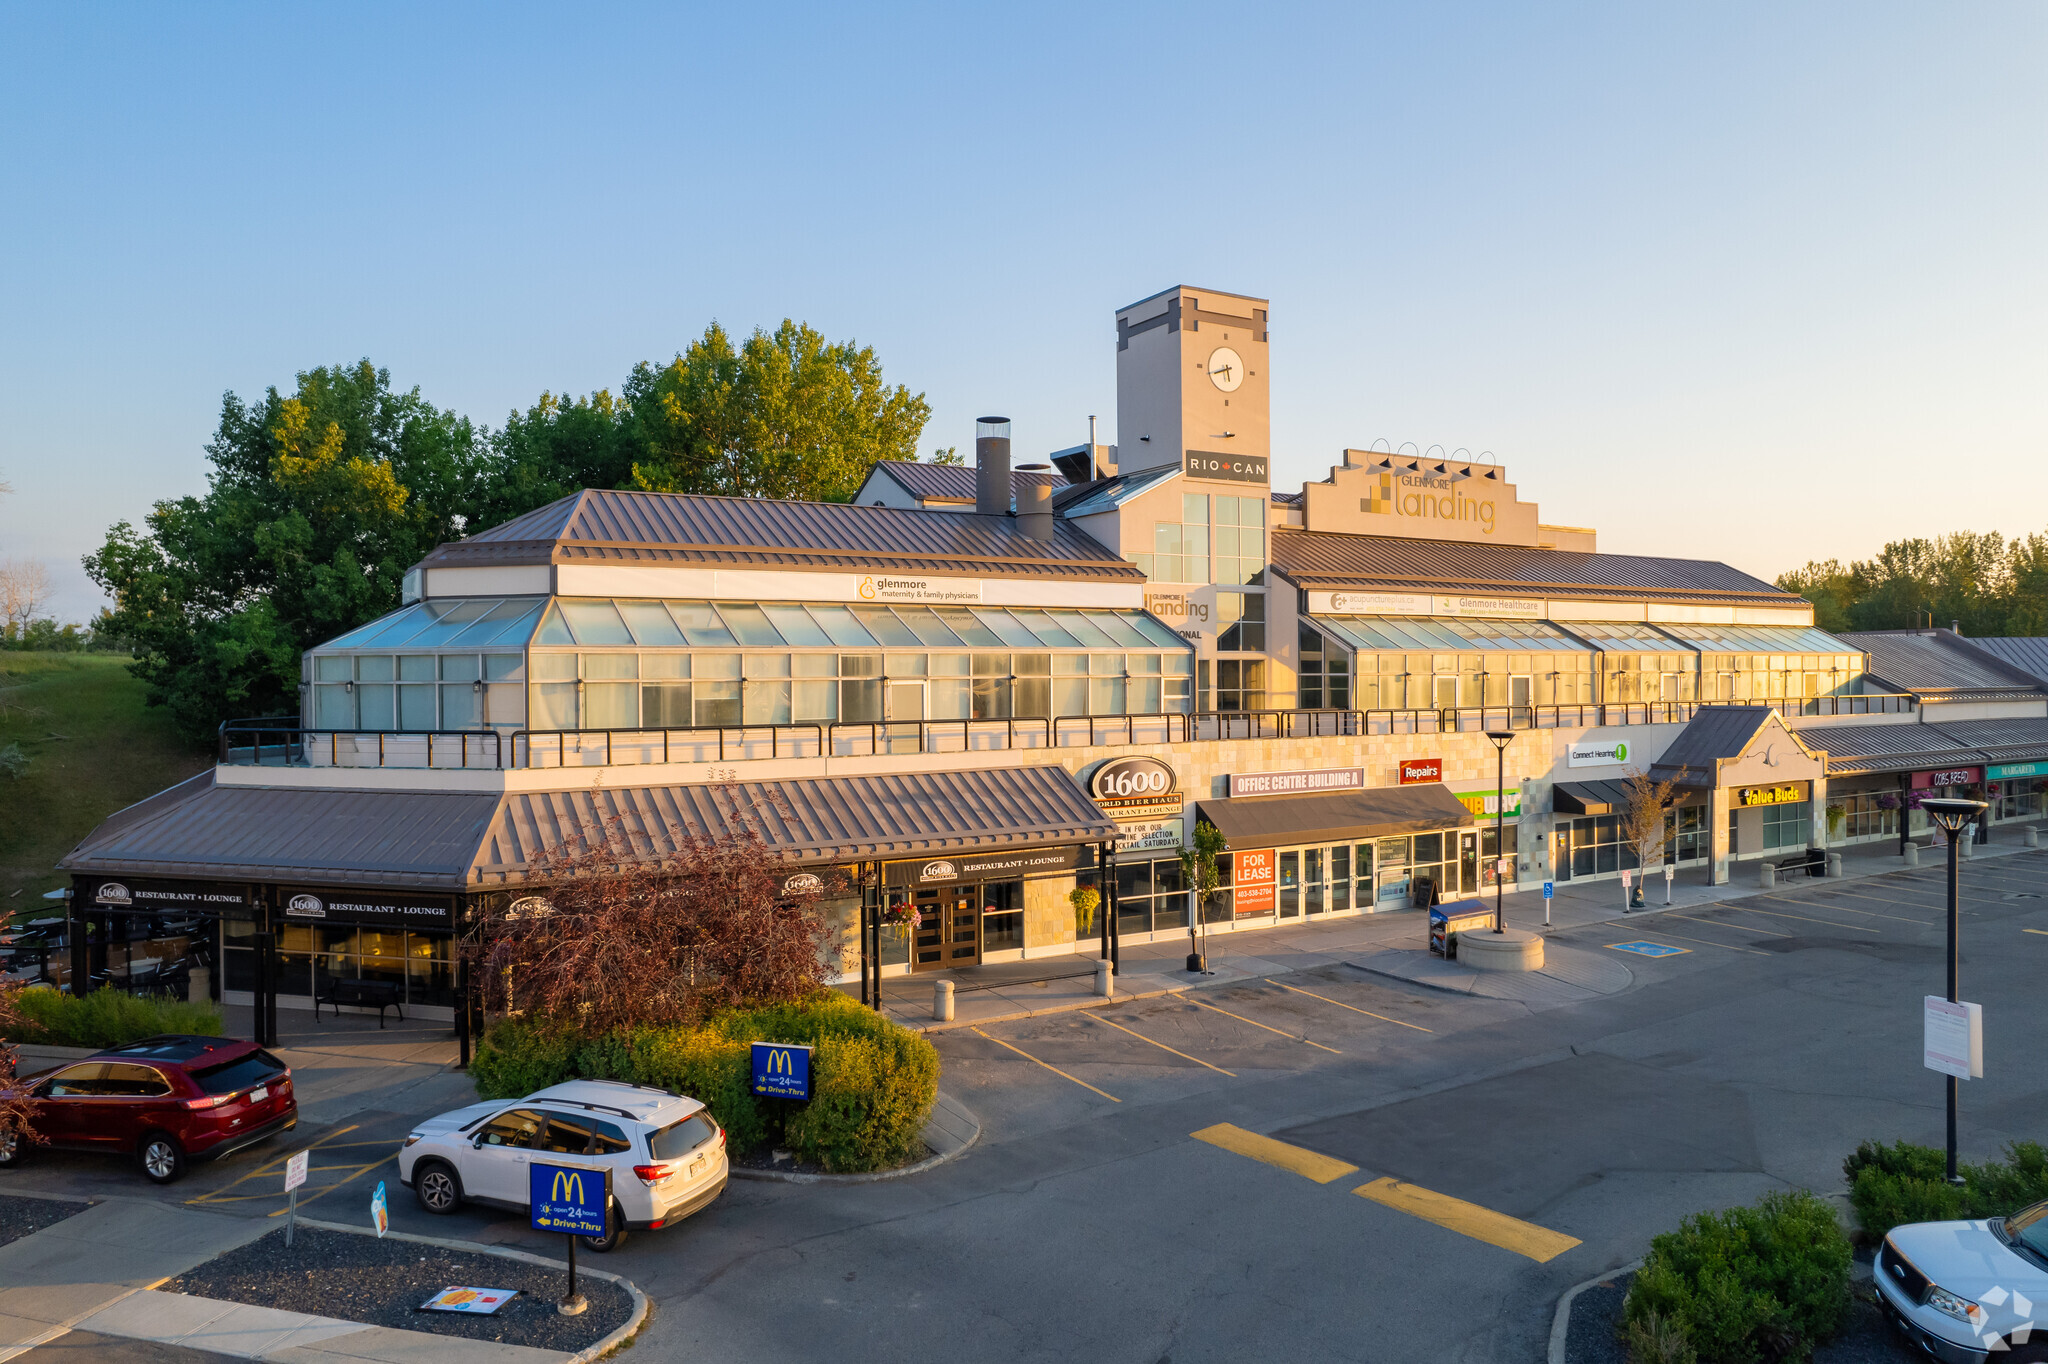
[782, 1070]
[570, 1199]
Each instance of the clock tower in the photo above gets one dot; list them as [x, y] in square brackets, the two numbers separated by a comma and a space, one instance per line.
[1191, 386]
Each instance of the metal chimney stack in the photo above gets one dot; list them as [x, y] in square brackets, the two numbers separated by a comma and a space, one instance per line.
[992, 466]
[1034, 503]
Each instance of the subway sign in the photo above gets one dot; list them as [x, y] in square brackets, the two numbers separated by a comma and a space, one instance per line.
[782, 1070]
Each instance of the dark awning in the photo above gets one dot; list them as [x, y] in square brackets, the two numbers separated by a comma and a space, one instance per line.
[1274, 821]
[1589, 797]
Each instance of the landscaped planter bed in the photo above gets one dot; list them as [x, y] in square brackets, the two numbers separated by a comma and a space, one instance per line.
[21, 1217]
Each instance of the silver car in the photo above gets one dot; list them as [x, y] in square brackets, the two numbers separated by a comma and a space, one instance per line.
[1969, 1292]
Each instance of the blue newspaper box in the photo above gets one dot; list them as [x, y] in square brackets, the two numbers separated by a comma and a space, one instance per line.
[1446, 922]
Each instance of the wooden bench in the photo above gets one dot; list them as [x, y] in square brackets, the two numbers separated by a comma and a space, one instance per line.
[359, 994]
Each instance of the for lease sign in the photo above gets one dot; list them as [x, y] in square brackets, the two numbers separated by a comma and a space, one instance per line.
[1252, 879]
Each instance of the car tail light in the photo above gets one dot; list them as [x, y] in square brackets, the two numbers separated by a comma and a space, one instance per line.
[653, 1174]
[210, 1101]
[721, 1138]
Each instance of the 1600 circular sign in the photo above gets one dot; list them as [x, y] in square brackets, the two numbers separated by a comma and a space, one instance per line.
[1132, 778]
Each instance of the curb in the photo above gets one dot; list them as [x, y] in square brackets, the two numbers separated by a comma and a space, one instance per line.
[636, 1319]
[1561, 1324]
[874, 1177]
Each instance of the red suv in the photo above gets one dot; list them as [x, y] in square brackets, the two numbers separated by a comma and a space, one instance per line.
[163, 1101]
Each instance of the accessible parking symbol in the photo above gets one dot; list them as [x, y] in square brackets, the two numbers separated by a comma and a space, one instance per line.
[1648, 949]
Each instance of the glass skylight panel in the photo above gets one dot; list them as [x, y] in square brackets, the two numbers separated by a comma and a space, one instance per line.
[1156, 632]
[361, 633]
[1007, 627]
[929, 629]
[700, 624]
[881, 622]
[454, 615]
[399, 628]
[552, 631]
[748, 622]
[839, 623]
[963, 623]
[1077, 626]
[511, 622]
[1048, 632]
[651, 625]
[795, 625]
[595, 622]
[1118, 629]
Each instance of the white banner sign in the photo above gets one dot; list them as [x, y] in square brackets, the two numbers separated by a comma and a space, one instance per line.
[1369, 604]
[1952, 1038]
[1504, 608]
[1151, 835]
[929, 591]
[1598, 753]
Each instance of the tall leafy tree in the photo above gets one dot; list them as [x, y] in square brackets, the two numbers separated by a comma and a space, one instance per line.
[554, 448]
[1987, 584]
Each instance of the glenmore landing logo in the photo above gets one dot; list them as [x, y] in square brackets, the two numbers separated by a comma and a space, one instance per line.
[1427, 499]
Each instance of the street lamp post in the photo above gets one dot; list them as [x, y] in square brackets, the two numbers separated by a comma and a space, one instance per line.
[1501, 739]
[1954, 816]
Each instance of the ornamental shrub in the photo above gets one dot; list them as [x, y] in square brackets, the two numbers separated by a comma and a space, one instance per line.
[106, 1018]
[1893, 1185]
[1746, 1285]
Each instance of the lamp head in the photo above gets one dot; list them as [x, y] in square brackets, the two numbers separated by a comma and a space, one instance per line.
[1952, 814]
[1501, 737]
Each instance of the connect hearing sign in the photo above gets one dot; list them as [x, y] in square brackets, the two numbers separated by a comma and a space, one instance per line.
[782, 1070]
[570, 1199]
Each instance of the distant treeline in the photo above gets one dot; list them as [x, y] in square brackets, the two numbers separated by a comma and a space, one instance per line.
[1987, 584]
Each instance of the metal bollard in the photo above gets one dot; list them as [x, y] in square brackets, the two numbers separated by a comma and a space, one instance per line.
[2031, 836]
[1834, 864]
[942, 1001]
[1105, 984]
[1766, 874]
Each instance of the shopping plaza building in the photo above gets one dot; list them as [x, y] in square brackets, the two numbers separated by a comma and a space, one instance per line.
[974, 688]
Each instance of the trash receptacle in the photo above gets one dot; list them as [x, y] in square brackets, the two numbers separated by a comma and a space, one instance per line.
[1446, 922]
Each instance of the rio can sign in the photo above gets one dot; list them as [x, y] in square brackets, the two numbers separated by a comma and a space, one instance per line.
[1133, 779]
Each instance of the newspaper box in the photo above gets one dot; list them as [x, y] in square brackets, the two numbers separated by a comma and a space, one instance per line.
[1446, 922]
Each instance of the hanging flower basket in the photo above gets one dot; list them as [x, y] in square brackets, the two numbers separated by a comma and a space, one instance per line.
[1084, 899]
[901, 919]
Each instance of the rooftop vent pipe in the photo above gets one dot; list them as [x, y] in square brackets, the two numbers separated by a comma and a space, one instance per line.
[1034, 503]
[992, 466]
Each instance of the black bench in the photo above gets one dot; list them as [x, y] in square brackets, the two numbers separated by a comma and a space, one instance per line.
[1814, 862]
[359, 994]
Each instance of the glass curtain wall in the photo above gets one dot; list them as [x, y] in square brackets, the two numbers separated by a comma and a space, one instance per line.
[1435, 663]
[1770, 663]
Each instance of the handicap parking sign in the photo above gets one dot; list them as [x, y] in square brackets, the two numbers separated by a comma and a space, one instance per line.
[1648, 949]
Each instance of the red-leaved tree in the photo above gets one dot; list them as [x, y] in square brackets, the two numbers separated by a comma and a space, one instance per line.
[610, 934]
[14, 1104]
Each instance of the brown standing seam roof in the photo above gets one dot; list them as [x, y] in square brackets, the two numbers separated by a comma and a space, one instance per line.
[1275, 821]
[597, 525]
[1325, 559]
[954, 482]
[1936, 661]
[454, 841]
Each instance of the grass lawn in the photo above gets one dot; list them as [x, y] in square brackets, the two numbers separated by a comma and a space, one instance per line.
[92, 748]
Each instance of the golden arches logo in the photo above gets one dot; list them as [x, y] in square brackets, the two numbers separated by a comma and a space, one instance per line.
[568, 1188]
[780, 1062]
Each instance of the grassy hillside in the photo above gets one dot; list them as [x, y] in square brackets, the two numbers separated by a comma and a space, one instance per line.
[92, 747]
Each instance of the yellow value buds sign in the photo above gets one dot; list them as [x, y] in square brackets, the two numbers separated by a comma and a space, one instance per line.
[782, 1070]
[1790, 794]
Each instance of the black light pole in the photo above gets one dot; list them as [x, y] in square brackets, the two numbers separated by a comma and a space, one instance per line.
[1954, 816]
[1501, 739]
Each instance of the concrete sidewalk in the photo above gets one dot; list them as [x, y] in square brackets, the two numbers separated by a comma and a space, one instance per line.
[1158, 968]
[97, 1271]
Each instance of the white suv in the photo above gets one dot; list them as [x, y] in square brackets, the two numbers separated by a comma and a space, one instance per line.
[1968, 1292]
[666, 1153]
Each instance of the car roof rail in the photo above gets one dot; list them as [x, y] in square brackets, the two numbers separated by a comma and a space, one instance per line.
[595, 1108]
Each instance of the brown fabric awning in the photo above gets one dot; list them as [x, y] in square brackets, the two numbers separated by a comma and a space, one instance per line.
[1276, 821]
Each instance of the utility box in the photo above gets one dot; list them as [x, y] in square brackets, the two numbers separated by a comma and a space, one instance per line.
[1446, 922]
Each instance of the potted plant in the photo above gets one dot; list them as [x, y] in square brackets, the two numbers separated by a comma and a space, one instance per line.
[1084, 899]
[1836, 814]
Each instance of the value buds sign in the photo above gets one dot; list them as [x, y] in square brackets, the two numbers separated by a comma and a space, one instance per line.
[1952, 1038]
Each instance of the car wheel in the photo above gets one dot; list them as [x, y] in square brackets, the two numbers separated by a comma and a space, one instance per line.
[614, 1230]
[162, 1159]
[13, 1148]
[2033, 1352]
[437, 1187]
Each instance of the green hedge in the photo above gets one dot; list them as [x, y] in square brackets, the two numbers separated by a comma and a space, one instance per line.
[872, 1082]
[1890, 1186]
[106, 1018]
[1746, 1284]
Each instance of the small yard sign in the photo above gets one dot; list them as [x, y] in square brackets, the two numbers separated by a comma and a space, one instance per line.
[1648, 949]
[478, 1301]
[380, 1210]
[294, 1176]
[782, 1070]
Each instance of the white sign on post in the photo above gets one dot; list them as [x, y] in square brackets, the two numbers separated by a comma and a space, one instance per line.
[1952, 1038]
[294, 1176]
[1627, 878]
[1669, 872]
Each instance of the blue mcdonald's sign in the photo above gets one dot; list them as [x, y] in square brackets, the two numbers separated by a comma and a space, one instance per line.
[570, 1199]
[782, 1070]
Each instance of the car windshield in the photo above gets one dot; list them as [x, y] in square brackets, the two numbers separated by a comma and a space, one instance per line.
[240, 1073]
[2029, 1226]
[679, 1139]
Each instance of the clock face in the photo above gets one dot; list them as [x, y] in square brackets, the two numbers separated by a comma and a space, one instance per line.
[1226, 370]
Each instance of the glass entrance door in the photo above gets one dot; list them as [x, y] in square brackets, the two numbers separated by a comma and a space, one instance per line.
[948, 928]
[1468, 863]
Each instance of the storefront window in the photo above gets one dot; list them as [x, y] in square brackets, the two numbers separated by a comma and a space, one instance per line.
[1597, 847]
[1002, 916]
[1788, 825]
[1868, 813]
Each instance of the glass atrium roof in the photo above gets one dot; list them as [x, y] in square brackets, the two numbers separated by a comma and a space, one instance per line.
[1775, 639]
[1423, 632]
[601, 622]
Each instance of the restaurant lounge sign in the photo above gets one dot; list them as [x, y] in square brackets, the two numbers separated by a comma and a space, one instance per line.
[168, 896]
[369, 907]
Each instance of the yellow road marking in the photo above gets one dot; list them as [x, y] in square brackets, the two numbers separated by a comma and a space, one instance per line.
[1353, 1007]
[1709, 942]
[1161, 1045]
[1054, 1069]
[1242, 1019]
[1469, 1219]
[2042, 931]
[1739, 907]
[314, 1198]
[274, 1165]
[1302, 1161]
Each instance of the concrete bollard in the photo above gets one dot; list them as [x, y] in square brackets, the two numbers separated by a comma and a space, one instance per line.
[1911, 855]
[942, 1001]
[2031, 836]
[1967, 841]
[1105, 984]
[1766, 875]
[1834, 864]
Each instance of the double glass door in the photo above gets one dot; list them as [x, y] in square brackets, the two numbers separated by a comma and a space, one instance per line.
[948, 927]
[1324, 880]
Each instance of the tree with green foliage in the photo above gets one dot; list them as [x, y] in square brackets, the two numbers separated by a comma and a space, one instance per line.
[1987, 584]
[783, 415]
[318, 503]
[554, 449]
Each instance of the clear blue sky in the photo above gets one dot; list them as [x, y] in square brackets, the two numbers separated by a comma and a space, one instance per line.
[1750, 282]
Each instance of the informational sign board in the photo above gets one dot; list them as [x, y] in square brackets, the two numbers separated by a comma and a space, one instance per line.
[380, 1210]
[1549, 890]
[1627, 879]
[1252, 880]
[1418, 771]
[570, 1199]
[782, 1070]
[481, 1302]
[1300, 782]
[295, 1170]
[1670, 872]
[1952, 1038]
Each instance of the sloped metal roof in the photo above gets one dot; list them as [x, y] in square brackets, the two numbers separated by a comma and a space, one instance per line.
[2015, 740]
[2029, 654]
[953, 482]
[1921, 661]
[1328, 559]
[1107, 494]
[1275, 821]
[615, 526]
[1717, 732]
